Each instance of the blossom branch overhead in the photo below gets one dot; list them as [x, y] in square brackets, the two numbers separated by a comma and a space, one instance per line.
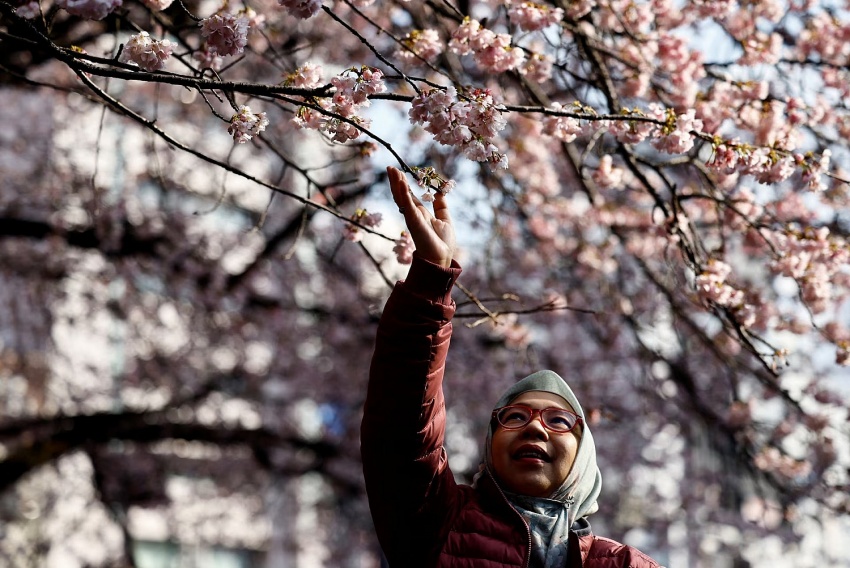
[473, 120]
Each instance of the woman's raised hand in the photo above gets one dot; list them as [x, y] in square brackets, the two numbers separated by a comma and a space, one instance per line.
[433, 235]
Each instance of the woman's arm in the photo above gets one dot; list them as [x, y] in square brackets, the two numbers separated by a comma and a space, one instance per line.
[408, 482]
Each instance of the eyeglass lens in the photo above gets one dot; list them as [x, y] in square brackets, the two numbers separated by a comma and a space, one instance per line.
[554, 419]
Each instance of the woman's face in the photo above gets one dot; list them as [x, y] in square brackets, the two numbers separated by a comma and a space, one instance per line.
[533, 460]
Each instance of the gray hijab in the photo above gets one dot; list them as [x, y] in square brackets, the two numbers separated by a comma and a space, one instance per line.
[550, 519]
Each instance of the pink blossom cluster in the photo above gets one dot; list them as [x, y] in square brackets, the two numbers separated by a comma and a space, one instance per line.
[725, 100]
[307, 117]
[837, 79]
[208, 59]
[769, 165]
[771, 459]
[635, 131]
[225, 33]
[157, 5]
[760, 45]
[89, 9]
[677, 136]
[308, 76]
[840, 336]
[429, 178]
[761, 49]
[352, 89]
[683, 67]
[485, 119]
[773, 122]
[565, 128]
[537, 68]
[352, 232]
[146, 52]
[531, 16]
[341, 130]
[420, 45]
[813, 168]
[404, 248]
[28, 10]
[532, 166]
[745, 212]
[607, 175]
[302, 9]
[507, 328]
[618, 16]
[469, 123]
[815, 260]
[492, 52]
[244, 125]
[579, 8]
[826, 36]
[712, 287]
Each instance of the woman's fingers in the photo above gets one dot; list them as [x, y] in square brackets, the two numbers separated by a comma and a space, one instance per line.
[400, 189]
[441, 208]
[408, 204]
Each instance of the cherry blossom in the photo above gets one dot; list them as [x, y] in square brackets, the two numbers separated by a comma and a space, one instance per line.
[429, 178]
[511, 331]
[158, 5]
[351, 91]
[711, 284]
[226, 33]
[208, 59]
[636, 131]
[28, 10]
[146, 52]
[606, 175]
[469, 121]
[564, 128]
[404, 248]
[302, 9]
[537, 68]
[420, 45]
[679, 132]
[244, 125]
[308, 76]
[352, 232]
[492, 52]
[532, 16]
[814, 170]
[89, 9]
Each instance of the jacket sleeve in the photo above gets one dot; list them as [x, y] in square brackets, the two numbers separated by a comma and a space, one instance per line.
[410, 488]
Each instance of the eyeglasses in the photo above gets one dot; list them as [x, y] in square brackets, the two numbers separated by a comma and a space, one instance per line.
[516, 416]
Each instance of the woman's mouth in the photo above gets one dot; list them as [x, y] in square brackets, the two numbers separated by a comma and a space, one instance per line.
[531, 453]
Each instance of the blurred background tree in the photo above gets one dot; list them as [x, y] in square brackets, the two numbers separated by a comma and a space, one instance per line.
[650, 200]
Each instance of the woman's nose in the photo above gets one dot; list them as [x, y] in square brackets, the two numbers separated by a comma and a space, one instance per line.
[536, 428]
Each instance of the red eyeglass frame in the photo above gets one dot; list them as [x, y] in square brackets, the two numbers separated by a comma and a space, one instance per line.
[538, 412]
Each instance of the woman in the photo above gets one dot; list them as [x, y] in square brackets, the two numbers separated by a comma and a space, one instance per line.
[528, 505]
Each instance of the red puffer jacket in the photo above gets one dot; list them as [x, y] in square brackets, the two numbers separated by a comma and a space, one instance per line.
[422, 517]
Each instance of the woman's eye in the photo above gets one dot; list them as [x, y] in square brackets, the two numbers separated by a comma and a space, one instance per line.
[515, 416]
[560, 421]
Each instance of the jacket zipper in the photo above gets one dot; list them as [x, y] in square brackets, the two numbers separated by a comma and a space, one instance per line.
[570, 501]
[521, 518]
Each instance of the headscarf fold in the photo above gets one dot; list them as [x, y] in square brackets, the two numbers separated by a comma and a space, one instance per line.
[550, 519]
